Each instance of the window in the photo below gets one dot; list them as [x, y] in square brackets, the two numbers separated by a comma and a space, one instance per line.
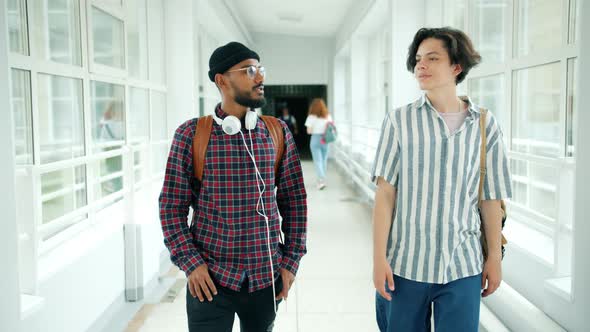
[23, 124]
[57, 31]
[108, 175]
[536, 127]
[571, 107]
[539, 26]
[61, 120]
[108, 39]
[489, 92]
[16, 14]
[454, 13]
[62, 192]
[108, 117]
[159, 118]
[156, 44]
[139, 125]
[137, 44]
[490, 20]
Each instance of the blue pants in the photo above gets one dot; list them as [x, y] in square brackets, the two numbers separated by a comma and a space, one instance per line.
[319, 154]
[456, 306]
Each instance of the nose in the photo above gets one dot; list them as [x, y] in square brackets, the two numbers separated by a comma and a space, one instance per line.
[420, 64]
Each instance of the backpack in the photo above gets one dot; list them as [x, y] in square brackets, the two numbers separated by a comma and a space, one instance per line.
[482, 174]
[203, 133]
[330, 133]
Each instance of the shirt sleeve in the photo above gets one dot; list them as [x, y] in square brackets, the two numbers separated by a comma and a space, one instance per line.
[387, 157]
[309, 122]
[175, 200]
[292, 204]
[497, 183]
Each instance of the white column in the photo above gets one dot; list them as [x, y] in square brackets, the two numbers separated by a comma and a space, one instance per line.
[581, 278]
[9, 286]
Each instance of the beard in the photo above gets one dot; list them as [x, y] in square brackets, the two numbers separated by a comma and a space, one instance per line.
[244, 98]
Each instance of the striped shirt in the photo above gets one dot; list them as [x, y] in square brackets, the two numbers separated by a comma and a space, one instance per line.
[435, 232]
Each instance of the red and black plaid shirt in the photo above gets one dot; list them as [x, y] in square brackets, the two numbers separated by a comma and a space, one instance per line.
[227, 233]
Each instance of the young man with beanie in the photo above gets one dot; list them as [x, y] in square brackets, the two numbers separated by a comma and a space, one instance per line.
[426, 224]
[233, 248]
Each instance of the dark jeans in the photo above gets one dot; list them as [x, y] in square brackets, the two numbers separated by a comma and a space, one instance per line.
[456, 306]
[255, 310]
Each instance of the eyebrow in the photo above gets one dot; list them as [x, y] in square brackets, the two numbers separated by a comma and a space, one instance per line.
[429, 53]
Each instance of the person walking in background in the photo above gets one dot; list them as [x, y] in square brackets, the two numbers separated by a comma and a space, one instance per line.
[289, 120]
[316, 123]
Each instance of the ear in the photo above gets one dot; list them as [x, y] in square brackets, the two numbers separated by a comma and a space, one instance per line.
[220, 81]
[458, 69]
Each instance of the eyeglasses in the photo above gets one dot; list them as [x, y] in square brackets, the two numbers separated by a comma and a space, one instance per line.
[251, 71]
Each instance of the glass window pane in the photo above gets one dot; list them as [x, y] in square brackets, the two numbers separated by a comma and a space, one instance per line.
[109, 176]
[62, 192]
[539, 26]
[543, 189]
[488, 92]
[23, 123]
[140, 164]
[454, 14]
[156, 38]
[159, 157]
[139, 125]
[535, 125]
[16, 14]
[57, 30]
[159, 122]
[108, 115]
[108, 39]
[137, 38]
[490, 21]
[574, 22]
[571, 106]
[61, 118]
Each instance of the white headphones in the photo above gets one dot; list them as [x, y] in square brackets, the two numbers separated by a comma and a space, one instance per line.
[231, 125]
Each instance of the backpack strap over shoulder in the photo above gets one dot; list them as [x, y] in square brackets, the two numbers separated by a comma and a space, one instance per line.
[278, 138]
[200, 143]
[482, 162]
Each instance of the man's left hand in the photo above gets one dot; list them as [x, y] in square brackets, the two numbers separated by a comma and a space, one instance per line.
[288, 279]
[492, 275]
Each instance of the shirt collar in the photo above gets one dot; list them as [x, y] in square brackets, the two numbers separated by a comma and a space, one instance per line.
[471, 107]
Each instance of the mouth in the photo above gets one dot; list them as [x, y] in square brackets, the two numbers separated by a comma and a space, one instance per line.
[259, 89]
[423, 76]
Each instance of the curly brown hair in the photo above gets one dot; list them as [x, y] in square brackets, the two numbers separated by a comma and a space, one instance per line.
[456, 42]
[318, 108]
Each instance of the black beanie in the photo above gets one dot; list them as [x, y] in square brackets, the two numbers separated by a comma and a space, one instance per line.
[226, 56]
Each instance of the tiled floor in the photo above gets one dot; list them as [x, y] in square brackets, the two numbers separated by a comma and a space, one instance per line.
[333, 290]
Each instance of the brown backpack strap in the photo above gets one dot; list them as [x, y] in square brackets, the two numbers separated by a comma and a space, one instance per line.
[276, 133]
[482, 162]
[200, 143]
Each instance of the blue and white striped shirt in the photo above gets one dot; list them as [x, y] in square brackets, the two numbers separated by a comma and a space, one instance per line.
[435, 232]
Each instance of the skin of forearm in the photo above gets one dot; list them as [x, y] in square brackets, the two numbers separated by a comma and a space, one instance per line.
[384, 205]
[492, 224]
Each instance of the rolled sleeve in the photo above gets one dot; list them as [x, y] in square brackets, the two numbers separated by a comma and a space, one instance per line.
[387, 157]
[497, 183]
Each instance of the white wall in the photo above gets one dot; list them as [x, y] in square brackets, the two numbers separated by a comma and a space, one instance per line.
[294, 60]
[9, 286]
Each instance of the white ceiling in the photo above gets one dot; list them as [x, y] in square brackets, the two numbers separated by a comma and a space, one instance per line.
[319, 18]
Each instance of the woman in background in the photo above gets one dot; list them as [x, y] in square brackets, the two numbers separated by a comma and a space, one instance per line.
[315, 123]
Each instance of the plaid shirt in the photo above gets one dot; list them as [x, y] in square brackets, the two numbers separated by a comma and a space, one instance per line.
[227, 233]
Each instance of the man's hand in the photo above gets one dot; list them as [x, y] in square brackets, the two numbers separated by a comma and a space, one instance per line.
[492, 274]
[200, 284]
[381, 273]
[288, 279]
